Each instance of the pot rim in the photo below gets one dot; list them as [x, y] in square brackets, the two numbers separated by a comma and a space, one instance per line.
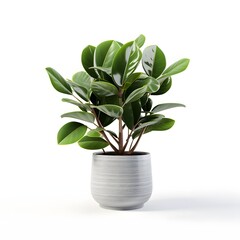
[113, 154]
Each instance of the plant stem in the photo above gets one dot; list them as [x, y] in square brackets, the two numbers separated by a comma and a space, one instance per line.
[100, 125]
[114, 138]
[129, 135]
[120, 137]
[127, 140]
[131, 145]
[103, 133]
[77, 98]
[120, 125]
[135, 145]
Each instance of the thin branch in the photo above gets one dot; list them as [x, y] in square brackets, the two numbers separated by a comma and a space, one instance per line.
[99, 125]
[77, 98]
[129, 135]
[120, 137]
[114, 138]
[128, 138]
[120, 125]
[135, 145]
[131, 144]
[102, 132]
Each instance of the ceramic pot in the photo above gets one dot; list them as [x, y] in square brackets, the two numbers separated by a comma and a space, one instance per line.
[121, 182]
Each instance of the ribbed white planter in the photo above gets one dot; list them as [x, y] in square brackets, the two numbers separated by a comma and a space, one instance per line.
[121, 182]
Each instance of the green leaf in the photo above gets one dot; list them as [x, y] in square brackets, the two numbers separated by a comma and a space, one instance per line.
[148, 106]
[88, 60]
[81, 91]
[93, 133]
[153, 61]
[162, 125]
[104, 89]
[109, 100]
[104, 69]
[110, 109]
[152, 84]
[164, 106]
[58, 82]
[112, 133]
[149, 120]
[105, 53]
[105, 119]
[130, 80]
[177, 67]
[136, 94]
[140, 40]
[125, 62]
[83, 107]
[164, 86]
[92, 143]
[144, 99]
[82, 79]
[131, 113]
[88, 117]
[71, 133]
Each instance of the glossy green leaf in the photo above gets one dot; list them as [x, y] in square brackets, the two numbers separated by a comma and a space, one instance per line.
[162, 125]
[140, 40]
[58, 82]
[153, 61]
[144, 99]
[71, 133]
[165, 85]
[131, 113]
[88, 117]
[112, 133]
[103, 58]
[104, 89]
[152, 84]
[88, 60]
[94, 99]
[130, 80]
[136, 94]
[148, 106]
[82, 79]
[109, 100]
[93, 133]
[105, 52]
[105, 119]
[165, 106]
[125, 62]
[110, 109]
[177, 67]
[83, 107]
[92, 143]
[104, 69]
[81, 91]
[149, 120]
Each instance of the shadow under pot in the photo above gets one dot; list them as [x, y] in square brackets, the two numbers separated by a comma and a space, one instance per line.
[121, 182]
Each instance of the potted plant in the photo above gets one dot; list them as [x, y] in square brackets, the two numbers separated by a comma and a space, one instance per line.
[109, 91]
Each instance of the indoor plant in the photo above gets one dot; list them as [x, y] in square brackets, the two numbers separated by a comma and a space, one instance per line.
[111, 89]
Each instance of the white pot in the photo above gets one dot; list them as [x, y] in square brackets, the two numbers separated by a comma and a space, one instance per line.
[121, 182]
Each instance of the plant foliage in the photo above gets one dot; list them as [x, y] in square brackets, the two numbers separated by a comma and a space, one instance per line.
[111, 89]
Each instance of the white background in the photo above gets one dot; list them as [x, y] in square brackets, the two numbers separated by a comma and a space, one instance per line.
[45, 188]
